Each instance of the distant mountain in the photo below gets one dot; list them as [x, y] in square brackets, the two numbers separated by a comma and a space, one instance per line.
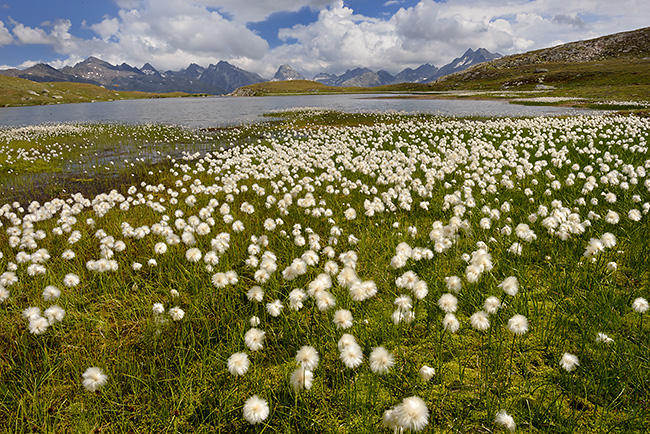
[122, 77]
[286, 72]
[426, 73]
[422, 74]
[228, 77]
[224, 77]
[359, 77]
[555, 65]
[469, 59]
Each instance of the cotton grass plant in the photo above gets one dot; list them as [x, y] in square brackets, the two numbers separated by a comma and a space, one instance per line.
[412, 273]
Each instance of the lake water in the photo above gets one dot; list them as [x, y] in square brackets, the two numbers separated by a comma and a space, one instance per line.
[225, 111]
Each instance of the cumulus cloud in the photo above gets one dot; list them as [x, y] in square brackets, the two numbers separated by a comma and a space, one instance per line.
[170, 34]
[5, 36]
[259, 10]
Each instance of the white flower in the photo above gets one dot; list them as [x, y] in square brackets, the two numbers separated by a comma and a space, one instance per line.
[342, 319]
[38, 325]
[70, 280]
[453, 283]
[31, 312]
[480, 320]
[4, 293]
[51, 293]
[510, 286]
[254, 339]
[518, 324]
[504, 420]
[381, 360]
[274, 308]
[640, 305]
[448, 303]
[238, 364]
[176, 313]
[301, 378]
[255, 293]
[255, 409]
[411, 415]
[160, 248]
[93, 379]
[307, 357]
[351, 355]
[491, 305]
[602, 337]
[193, 255]
[158, 308]
[450, 323]
[569, 362]
[54, 314]
[426, 372]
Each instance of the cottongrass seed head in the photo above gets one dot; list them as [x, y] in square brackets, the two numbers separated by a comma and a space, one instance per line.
[93, 379]
[412, 414]
[238, 364]
[255, 410]
[381, 360]
[504, 420]
[569, 362]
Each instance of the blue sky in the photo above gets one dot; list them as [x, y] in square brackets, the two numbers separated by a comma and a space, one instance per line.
[311, 35]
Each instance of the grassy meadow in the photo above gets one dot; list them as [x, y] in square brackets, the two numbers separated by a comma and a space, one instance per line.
[16, 92]
[327, 273]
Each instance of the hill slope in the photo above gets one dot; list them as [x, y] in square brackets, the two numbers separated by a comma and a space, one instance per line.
[20, 92]
[613, 66]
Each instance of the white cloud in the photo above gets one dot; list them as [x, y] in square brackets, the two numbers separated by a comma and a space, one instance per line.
[259, 10]
[30, 35]
[170, 34]
[5, 36]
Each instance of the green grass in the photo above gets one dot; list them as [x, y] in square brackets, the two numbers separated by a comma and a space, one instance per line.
[20, 92]
[171, 376]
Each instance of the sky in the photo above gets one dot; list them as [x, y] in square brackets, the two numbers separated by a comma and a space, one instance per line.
[310, 35]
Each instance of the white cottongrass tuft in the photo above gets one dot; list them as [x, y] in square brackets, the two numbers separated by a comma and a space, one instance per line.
[569, 362]
[640, 305]
[255, 410]
[505, 421]
[450, 323]
[602, 337]
[158, 308]
[448, 303]
[51, 293]
[453, 283]
[426, 372]
[351, 355]
[254, 294]
[93, 379]
[38, 325]
[254, 339]
[71, 280]
[54, 314]
[342, 319]
[510, 286]
[301, 378]
[176, 313]
[307, 357]
[480, 321]
[274, 308]
[238, 364]
[411, 415]
[492, 305]
[381, 360]
[518, 324]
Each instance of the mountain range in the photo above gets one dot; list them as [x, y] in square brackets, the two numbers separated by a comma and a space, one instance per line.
[223, 77]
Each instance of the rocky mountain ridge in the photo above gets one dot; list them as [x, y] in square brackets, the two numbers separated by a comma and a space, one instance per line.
[223, 77]
[625, 45]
